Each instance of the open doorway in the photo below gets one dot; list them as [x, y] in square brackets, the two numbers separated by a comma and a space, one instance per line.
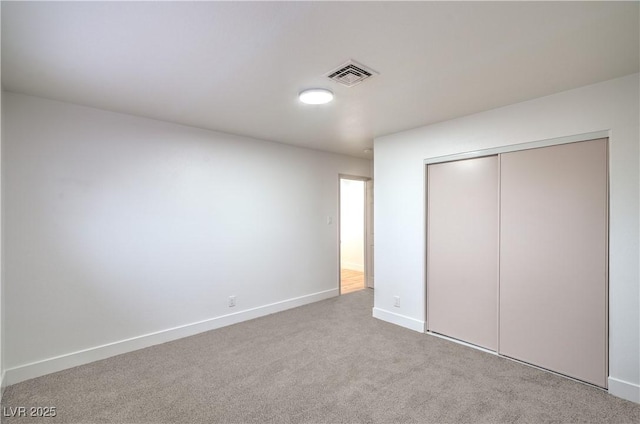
[356, 234]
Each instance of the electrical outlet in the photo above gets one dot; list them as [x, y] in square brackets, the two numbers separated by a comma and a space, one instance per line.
[396, 301]
[232, 301]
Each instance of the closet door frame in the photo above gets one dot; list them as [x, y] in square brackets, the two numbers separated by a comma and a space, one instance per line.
[497, 151]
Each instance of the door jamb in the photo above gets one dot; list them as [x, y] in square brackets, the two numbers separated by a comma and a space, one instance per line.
[366, 227]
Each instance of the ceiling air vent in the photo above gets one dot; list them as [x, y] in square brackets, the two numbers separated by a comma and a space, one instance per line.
[351, 73]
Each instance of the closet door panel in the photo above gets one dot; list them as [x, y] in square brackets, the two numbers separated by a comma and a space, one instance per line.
[553, 258]
[462, 250]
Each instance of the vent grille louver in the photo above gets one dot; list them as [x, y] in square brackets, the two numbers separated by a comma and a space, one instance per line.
[351, 73]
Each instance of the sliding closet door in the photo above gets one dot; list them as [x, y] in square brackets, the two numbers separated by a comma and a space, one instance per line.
[462, 250]
[553, 252]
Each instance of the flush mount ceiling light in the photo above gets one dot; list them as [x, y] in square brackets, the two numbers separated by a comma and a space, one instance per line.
[315, 96]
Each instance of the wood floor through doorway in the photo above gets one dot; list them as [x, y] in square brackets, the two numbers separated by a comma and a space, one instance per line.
[351, 281]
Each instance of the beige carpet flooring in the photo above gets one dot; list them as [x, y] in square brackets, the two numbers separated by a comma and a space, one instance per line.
[328, 362]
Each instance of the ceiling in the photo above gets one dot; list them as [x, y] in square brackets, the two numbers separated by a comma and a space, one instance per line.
[237, 67]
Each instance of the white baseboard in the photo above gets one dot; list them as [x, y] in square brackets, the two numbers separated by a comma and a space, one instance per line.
[352, 266]
[624, 389]
[73, 359]
[401, 320]
[2, 385]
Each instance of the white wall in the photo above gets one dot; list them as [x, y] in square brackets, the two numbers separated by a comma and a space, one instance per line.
[119, 227]
[352, 224]
[400, 212]
[2, 380]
